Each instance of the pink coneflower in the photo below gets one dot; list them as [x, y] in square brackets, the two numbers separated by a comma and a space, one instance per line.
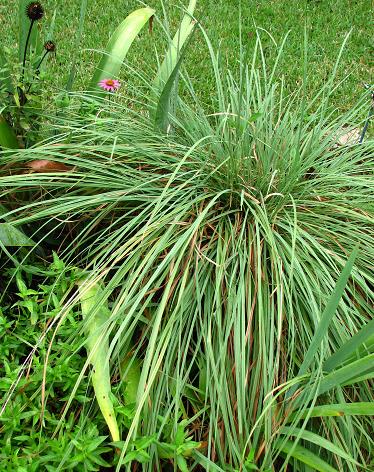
[110, 85]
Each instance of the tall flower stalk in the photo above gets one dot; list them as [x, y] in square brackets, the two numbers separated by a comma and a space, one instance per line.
[35, 12]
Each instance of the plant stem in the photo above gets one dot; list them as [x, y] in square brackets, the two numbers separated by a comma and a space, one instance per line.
[37, 70]
[371, 112]
[25, 52]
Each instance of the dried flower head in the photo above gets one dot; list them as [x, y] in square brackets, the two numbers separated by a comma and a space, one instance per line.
[35, 11]
[50, 46]
[110, 85]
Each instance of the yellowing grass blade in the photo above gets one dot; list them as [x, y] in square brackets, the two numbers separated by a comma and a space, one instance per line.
[119, 44]
[96, 312]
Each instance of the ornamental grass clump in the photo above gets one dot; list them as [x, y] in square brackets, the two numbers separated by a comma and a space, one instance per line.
[221, 244]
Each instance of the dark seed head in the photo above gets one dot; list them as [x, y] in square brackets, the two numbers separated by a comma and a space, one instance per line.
[34, 11]
[50, 46]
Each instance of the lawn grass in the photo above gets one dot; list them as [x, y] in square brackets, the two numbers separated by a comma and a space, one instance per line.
[326, 23]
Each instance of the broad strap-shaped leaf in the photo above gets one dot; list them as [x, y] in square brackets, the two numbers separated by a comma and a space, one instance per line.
[365, 334]
[172, 56]
[10, 236]
[167, 75]
[163, 106]
[8, 138]
[96, 314]
[305, 456]
[118, 46]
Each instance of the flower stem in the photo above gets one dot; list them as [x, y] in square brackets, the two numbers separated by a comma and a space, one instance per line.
[371, 113]
[25, 51]
[37, 70]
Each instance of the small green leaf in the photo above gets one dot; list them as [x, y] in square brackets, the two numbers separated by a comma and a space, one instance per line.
[182, 464]
[5, 75]
[166, 450]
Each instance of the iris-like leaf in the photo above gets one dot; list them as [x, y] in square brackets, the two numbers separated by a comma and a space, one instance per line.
[96, 313]
[172, 56]
[168, 72]
[119, 44]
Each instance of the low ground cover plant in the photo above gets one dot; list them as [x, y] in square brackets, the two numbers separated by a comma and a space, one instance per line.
[209, 303]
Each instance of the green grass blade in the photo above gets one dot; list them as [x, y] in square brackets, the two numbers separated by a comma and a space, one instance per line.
[342, 354]
[8, 138]
[119, 44]
[318, 440]
[304, 455]
[5, 75]
[337, 409]
[82, 16]
[347, 374]
[96, 313]
[328, 314]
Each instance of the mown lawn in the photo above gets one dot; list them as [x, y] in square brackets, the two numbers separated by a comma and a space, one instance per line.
[326, 23]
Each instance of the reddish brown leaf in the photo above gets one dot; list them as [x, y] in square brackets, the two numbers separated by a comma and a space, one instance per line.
[44, 165]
